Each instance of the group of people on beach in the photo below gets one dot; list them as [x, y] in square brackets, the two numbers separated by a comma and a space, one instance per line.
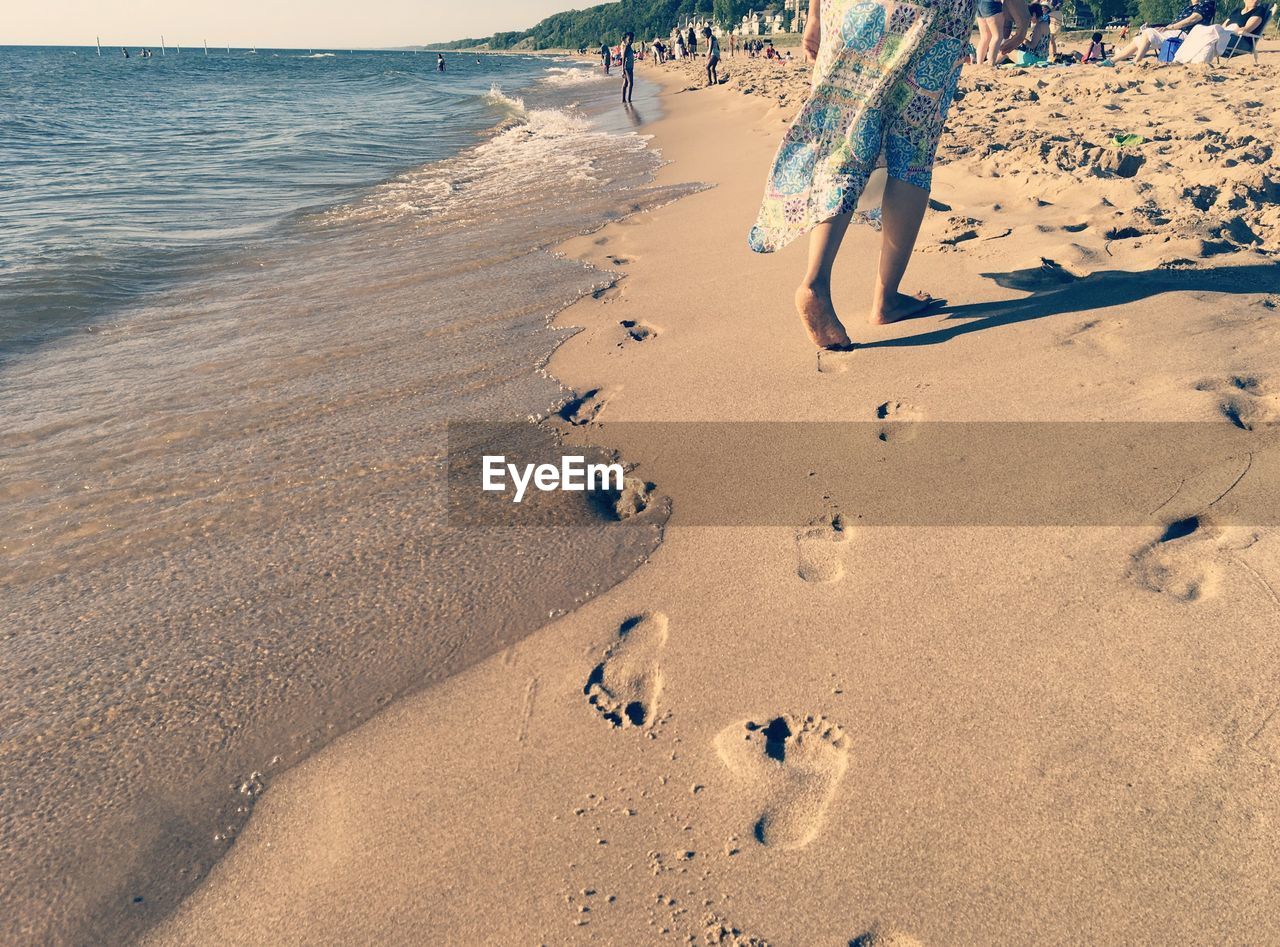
[1237, 36]
[1023, 34]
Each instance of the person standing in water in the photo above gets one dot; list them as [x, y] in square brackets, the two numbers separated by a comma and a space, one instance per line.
[713, 55]
[606, 56]
[628, 67]
[882, 87]
[439, 62]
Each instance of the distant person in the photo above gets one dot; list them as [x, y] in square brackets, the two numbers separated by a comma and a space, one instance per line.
[628, 67]
[1055, 27]
[713, 56]
[1097, 51]
[1037, 43]
[439, 62]
[1150, 38]
[125, 51]
[693, 42]
[1017, 15]
[606, 56]
[733, 45]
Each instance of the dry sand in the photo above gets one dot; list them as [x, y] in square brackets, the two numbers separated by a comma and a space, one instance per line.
[831, 733]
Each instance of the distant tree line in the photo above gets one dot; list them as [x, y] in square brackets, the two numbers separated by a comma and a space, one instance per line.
[608, 21]
[1142, 11]
[649, 18]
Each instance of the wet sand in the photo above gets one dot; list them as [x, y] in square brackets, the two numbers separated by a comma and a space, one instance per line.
[840, 733]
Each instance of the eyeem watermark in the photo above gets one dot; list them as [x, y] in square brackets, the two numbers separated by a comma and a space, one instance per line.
[573, 474]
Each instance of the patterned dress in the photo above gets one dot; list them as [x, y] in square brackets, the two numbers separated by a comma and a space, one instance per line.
[883, 82]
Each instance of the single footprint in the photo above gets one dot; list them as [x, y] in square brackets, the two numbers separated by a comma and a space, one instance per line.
[637, 331]
[899, 416]
[791, 766]
[834, 363]
[820, 550]
[1246, 400]
[1182, 562]
[624, 687]
[1095, 334]
[583, 408]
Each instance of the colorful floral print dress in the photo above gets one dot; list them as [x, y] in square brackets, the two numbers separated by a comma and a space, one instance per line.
[883, 82]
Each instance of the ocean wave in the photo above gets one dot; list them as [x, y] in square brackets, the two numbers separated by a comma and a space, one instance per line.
[536, 154]
[573, 76]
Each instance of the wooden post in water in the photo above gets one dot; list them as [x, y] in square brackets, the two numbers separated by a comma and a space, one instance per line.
[98, 40]
[163, 52]
[206, 47]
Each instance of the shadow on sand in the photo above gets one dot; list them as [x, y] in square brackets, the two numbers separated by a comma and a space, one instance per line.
[1057, 292]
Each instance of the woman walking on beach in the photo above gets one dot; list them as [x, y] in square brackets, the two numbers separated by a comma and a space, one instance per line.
[884, 76]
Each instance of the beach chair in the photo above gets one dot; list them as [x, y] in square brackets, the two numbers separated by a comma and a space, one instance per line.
[1257, 37]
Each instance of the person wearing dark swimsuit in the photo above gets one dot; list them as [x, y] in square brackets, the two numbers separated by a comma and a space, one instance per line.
[628, 66]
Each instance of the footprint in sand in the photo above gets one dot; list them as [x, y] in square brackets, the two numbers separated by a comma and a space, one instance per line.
[834, 363]
[878, 937]
[1246, 400]
[624, 687]
[637, 331]
[791, 767]
[583, 408]
[1096, 334]
[820, 550]
[899, 417]
[1182, 561]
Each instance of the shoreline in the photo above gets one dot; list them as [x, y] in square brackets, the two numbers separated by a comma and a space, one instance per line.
[270, 708]
[1029, 710]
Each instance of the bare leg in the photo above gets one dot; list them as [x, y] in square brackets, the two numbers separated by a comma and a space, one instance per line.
[986, 35]
[813, 298]
[991, 35]
[1140, 46]
[901, 214]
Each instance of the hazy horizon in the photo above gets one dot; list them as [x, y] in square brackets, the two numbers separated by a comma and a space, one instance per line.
[326, 24]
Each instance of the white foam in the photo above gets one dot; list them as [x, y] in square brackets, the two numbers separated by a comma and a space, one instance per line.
[537, 152]
[573, 76]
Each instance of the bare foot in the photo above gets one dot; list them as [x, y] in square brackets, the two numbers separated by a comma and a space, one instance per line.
[900, 306]
[821, 320]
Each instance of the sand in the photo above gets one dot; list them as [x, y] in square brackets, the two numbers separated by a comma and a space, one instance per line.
[830, 732]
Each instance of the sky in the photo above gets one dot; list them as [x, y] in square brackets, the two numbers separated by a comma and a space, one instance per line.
[334, 24]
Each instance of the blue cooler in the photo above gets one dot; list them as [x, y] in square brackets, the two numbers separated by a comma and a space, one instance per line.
[1169, 49]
